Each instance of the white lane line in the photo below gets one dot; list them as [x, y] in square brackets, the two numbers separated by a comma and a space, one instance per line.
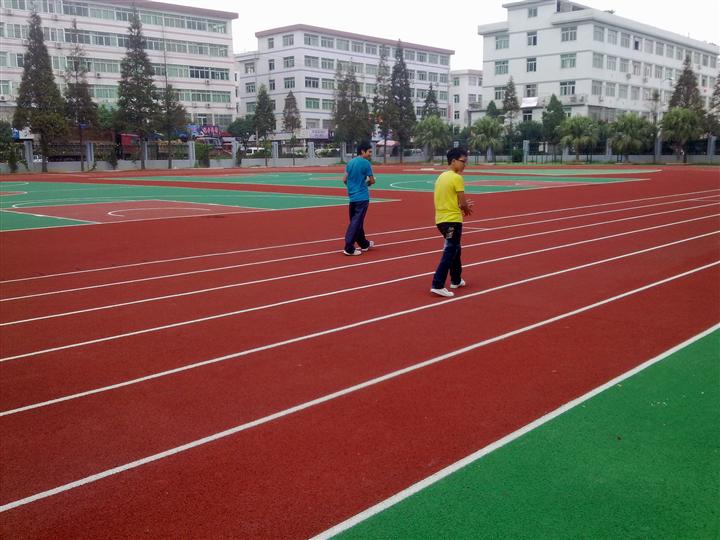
[433, 237]
[329, 331]
[340, 393]
[264, 248]
[377, 261]
[450, 469]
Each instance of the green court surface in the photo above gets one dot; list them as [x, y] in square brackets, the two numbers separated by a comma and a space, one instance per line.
[561, 172]
[639, 460]
[395, 182]
[38, 194]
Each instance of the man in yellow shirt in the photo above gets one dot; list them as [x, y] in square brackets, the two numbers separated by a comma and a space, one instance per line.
[450, 207]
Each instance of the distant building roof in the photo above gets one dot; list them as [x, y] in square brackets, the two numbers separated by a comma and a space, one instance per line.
[349, 35]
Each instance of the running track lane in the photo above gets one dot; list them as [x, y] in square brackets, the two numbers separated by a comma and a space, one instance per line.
[133, 242]
[61, 372]
[63, 442]
[299, 475]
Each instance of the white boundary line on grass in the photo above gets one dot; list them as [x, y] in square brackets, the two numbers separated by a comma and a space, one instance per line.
[340, 393]
[337, 329]
[265, 248]
[378, 261]
[450, 469]
[434, 237]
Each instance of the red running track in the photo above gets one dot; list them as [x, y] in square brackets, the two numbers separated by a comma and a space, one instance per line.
[302, 473]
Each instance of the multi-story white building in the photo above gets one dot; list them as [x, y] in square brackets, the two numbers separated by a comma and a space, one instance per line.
[194, 45]
[305, 59]
[597, 63]
[465, 95]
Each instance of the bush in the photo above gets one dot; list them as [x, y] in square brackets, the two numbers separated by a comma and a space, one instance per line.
[12, 159]
[202, 154]
[111, 156]
[517, 155]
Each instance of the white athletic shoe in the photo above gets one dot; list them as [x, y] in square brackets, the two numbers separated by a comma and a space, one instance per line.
[372, 244]
[461, 284]
[442, 292]
[350, 254]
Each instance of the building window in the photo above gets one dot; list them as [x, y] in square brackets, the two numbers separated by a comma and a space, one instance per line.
[421, 56]
[612, 37]
[624, 65]
[635, 93]
[499, 93]
[271, 65]
[249, 67]
[456, 81]
[623, 91]
[288, 40]
[612, 63]
[312, 82]
[532, 12]
[659, 48]
[658, 72]
[567, 88]
[271, 84]
[599, 33]
[312, 103]
[289, 61]
[625, 40]
[636, 68]
[527, 116]
[597, 87]
[312, 40]
[531, 64]
[598, 60]
[456, 98]
[289, 82]
[328, 104]
[328, 84]
[567, 61]
[250, 107]
[409, 55]
[532, 39]
[501, 67]
[312, 61]
[312, 123]
[327, 42]
[271, 43]
[342, 44]
[472, 98]
[610, 89]
[422, 75]
[669, 50]
[502, 42]
[250, 88]
[456, 115]
[530, 90]
[649, 45]
[371, 49]
[328, 63]
[637, 42]
[568, 33]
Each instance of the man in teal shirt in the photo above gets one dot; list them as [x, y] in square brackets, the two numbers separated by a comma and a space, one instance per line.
[358, 176]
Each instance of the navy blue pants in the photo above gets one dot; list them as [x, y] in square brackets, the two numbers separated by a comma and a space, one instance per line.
[450, 260]
[356, 231]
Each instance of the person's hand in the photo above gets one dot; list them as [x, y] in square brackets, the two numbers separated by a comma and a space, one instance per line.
[468, 208]
[370, 181]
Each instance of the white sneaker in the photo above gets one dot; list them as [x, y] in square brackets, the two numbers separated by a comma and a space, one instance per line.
[461, 284]
[350, 254]
[372, 244]
[442, 292]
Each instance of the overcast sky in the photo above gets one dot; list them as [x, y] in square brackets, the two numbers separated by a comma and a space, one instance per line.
[428, 23]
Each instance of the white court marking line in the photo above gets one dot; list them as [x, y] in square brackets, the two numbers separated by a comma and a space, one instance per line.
[330, 293]
[522, 187]
[450, 469]
[115, 212]
[329, 331]
[13, 184]
[265, 248]
[434, 237]
[188, 293]
[345, 391]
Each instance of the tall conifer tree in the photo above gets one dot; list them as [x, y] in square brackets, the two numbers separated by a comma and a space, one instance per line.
[687, 93]
[136, 91]
[430, 108]
[40, 105]
[403, 119]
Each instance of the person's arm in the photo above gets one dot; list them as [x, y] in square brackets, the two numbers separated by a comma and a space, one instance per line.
[464, 203]
[345, 179]
[370, 180]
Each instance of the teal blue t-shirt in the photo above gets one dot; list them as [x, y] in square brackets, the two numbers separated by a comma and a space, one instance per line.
[358, 169]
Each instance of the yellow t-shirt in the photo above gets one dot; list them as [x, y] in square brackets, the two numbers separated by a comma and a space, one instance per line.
[447, 186]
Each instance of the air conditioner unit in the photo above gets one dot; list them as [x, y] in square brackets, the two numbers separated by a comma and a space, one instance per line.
[2, 98]
[54, 17]
[207, 81]
[207, 105]
[573, 99]
[98, 75]
[58, 45]
[600, 98]
[581, 99]
[628, 75]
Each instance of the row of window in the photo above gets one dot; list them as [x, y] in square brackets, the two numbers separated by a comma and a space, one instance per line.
[360, 47]
[472, 98]
[569, 33]
[567, 88]
[85, 9]
[472, 81]
[106, 39]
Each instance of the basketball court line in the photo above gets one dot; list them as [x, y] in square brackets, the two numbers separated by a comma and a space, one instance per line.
[450, 469]
[396, 231]
[348, 390]
[331, 293]
[241, 265]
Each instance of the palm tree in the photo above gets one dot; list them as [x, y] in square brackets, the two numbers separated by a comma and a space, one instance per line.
[580, 132]
[631, 134]
[486, 133]
[432, 133]
[680, 125]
